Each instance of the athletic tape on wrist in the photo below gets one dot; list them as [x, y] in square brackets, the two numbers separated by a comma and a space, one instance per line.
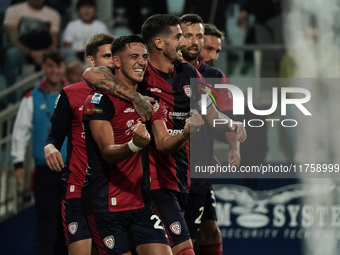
[133, 147]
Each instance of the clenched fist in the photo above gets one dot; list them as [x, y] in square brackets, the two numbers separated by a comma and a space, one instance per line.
[192, 124]
[141, 136]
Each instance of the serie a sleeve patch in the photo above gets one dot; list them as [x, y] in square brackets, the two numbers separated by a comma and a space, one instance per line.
[96, 98]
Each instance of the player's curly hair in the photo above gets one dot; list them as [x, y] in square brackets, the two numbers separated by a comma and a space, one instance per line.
[119, 43]
[158, 25]
[191, 19]
[211, 29]
[93, 44]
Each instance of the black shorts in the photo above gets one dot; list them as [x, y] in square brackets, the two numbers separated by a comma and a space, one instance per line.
[74, 221]
[169, 205]
[199, 207]
[117, 232]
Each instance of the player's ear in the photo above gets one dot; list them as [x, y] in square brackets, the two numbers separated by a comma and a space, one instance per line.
[91, 61]
[116, 62]
[159, 43]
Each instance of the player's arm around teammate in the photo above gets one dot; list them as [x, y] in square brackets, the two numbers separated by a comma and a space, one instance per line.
[103, 79]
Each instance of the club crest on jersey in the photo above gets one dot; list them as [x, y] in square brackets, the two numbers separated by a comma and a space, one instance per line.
[109, 241]
[73, 227]
[187, 90]
[155, 106]
[176, 228]
[96, 98]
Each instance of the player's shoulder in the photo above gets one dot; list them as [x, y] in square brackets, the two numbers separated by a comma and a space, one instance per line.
[209, 71]
[76, 86]
[185, 67]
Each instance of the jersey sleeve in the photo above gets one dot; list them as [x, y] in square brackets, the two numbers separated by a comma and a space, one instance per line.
[225, 95]
[62, 115]
[61, 121]
[161, 112]
[201, 89]
[98, 106]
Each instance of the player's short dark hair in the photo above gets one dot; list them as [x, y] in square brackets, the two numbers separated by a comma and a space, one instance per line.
[191, 19]
[211, 29]
[81, 3]
[93, 44]
[55, 55]
[119, 43]
[157, 25]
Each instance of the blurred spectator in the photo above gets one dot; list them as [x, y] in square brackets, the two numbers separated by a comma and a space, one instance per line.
[268, 30]
[32, 28]
[78, 31]
[33, 123]
[74, 70]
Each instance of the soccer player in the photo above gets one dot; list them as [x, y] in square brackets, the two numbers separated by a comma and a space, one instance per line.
[67, 121]
[200, 213]
[166, 78]
[116, 198]
[211, 48]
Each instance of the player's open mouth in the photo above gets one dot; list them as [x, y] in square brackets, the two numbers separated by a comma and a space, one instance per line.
[193, 50]
[179, 52]
[139, 70]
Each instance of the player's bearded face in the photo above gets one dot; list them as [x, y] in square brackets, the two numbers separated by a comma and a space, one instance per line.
[211, 49]
[174, 44]
[193, 35]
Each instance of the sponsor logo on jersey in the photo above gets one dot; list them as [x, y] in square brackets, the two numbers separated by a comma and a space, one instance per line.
[96, 98]
[72, 188]
[56, 101]
[129, 109]
[73, 227]
[187, 90]
[176, 228]
[155, 90]
[109, 241]
[175, 131]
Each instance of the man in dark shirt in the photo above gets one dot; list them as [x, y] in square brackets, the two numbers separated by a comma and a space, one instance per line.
[168, 79]
[117, 184]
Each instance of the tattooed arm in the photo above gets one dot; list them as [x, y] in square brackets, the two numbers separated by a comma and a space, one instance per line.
[103, 79]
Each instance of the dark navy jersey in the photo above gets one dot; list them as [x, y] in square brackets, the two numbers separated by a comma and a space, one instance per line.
[206, 134]
[114, 187]
[171, 171]
[68, 115]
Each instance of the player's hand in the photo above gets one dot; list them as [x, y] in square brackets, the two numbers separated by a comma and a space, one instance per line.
[143, 107]
[240, 130]
[53, 158]
[192, 125]
[242, 19]
[234, 158]
[141, 136]
[20, 175]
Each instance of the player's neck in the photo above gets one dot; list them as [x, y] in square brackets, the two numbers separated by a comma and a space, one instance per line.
[125, 81]
[194, 62]
[161, 63]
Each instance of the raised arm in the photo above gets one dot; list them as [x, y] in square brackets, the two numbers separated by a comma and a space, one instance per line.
[102, 134]
[103, 79]
[166, 143]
